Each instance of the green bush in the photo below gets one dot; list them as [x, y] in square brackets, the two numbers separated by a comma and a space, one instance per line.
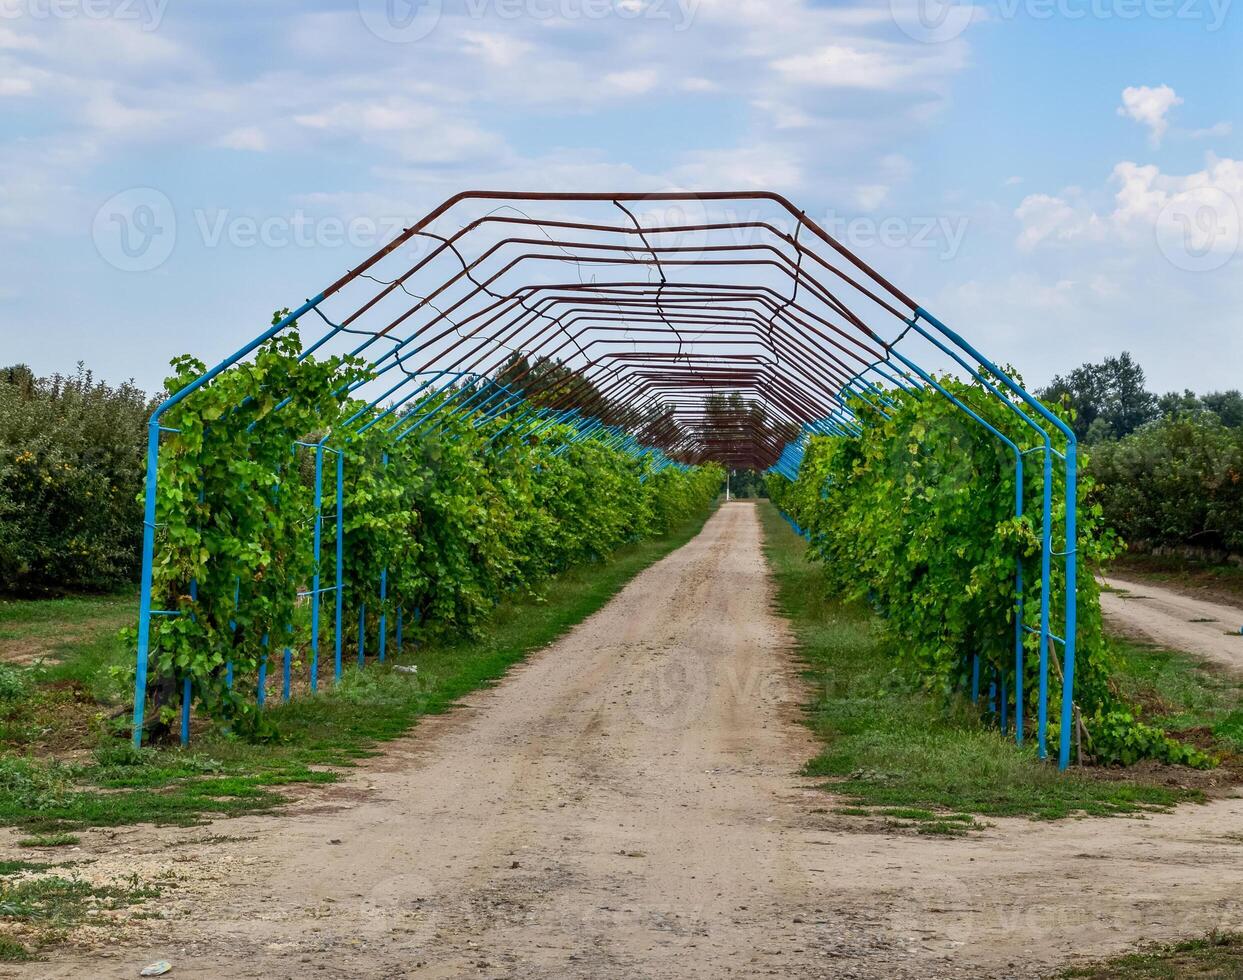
[1119, 737]
[1175, 482]
[71, 463]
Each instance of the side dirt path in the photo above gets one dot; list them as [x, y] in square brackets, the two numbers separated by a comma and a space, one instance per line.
[626, 805]
[1175, 621]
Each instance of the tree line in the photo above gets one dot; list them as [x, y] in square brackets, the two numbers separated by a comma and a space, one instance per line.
[1168, 468]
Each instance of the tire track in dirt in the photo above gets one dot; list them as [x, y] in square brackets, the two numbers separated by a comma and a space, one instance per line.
[1177, 622]
[626, 805]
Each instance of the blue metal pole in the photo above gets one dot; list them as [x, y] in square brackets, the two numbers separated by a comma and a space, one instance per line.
[144, 598]
[287, 668]
[383, 595]
[318, 535]
[340, 554]
[261, 690]
[383, 614]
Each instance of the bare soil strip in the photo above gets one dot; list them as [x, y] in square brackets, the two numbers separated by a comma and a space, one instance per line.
[1175, 621]
[626, 805]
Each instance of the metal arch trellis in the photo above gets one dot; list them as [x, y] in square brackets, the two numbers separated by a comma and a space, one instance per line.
[456, 315]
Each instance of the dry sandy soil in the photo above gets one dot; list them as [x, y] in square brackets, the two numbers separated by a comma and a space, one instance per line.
[627, 805]
[1175, 621]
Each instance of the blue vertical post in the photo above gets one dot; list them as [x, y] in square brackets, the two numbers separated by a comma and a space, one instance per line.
[144, 596]
[318, 535]
[261, 689]
[1072, 601]
[287, 667]
[383, 614]
[1018, 611]
[228, 664]
[362, 633]
[1046, 556]
[975, 678]
[186, 691]
[383, 598]
[340, 554]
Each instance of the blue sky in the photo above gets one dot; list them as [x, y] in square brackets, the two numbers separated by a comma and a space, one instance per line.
[1066, 175]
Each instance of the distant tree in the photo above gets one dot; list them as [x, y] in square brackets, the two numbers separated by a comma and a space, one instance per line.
[1226, 405]
[1176, 403]
[71, 467]
[1110, 398]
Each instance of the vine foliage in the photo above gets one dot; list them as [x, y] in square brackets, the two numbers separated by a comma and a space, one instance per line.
[918, 516]
[443, 515]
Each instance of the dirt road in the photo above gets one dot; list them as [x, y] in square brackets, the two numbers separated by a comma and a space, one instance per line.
[1174, 621]
[626, 805]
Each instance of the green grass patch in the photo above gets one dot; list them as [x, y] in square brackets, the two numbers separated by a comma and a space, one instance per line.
[8, 868]
[62, 902]
[1215, 955]
[1177, 692]
[889, 743]
[50, 840]
[11, 951]
[223, 776]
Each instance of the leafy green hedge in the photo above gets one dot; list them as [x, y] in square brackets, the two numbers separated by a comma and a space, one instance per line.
[917, 516]
[1175, 482]
[457, 523]
[71, 461]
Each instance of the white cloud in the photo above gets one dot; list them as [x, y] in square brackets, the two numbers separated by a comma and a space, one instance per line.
[12, 41]
[1149, 106]
[16, 86]
[635, 81]
[1196, 213]
[417, 132]
[1046, 218]
[840, 66]
[764, 167]
[871, 196]
[1208, 132]
[1013, 181]
[783, 116]
[498, 50]
[246, 138]
[697, 84]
